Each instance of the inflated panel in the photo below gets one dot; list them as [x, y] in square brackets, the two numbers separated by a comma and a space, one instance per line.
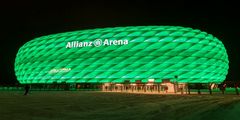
[123, 53]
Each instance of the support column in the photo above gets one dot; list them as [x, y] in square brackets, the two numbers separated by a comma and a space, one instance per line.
[199, 87]
[210, 88]
[145, 88]
[189, 91]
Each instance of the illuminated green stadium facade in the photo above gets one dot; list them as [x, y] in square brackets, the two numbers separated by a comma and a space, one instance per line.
[114, 55]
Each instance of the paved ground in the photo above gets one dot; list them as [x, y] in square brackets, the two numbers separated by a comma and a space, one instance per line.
[79, 105]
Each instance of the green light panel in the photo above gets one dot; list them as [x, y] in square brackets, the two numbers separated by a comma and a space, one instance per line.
[150, 52]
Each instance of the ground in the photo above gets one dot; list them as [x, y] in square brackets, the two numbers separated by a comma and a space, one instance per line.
[83, 105]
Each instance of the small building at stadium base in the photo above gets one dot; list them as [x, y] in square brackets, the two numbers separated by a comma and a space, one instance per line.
[137, 58]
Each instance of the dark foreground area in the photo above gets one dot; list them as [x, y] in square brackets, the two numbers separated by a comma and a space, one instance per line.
[82, 105]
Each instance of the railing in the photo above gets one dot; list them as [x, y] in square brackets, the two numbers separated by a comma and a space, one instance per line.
[203, 91]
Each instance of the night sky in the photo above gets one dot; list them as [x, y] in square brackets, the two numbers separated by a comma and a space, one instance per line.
[22, 21]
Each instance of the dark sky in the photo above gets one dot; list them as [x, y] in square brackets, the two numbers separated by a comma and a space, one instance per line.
[22, 21]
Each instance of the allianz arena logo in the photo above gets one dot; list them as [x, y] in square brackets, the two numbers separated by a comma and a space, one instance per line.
[96, 43]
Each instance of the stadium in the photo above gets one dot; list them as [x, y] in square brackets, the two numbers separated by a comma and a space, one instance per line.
[136, 58]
